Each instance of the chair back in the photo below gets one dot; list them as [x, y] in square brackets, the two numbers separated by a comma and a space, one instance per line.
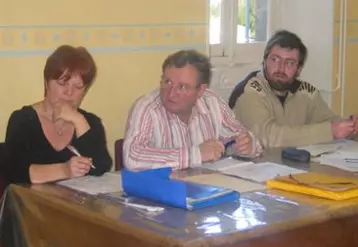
[118, 154]
[4, 160]
[239, 89]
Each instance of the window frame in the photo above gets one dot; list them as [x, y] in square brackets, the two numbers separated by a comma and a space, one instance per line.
[229, 52]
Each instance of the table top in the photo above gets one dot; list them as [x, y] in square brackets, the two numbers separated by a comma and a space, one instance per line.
[257, 213]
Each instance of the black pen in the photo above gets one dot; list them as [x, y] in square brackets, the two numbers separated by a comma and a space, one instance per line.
[229, 143]
[351, 160]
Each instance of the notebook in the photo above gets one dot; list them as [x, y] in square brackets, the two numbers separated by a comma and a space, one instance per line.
[155, 185]
[316, 184]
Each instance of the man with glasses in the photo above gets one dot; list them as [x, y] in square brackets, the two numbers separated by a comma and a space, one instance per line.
[183, 123]
[279, 108]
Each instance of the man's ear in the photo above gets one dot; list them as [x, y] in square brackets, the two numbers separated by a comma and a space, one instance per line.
[202, 89]
[298, 71]
[45, 87]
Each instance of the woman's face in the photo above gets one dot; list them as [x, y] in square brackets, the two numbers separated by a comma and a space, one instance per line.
[68, 88]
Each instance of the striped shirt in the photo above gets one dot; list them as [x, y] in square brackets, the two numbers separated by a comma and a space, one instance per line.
[155, 137]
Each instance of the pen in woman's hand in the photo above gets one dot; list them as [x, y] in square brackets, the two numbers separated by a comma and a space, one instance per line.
[75, 151]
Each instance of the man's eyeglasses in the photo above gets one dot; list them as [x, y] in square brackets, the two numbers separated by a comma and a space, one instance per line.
[180, 88]
[288, 63]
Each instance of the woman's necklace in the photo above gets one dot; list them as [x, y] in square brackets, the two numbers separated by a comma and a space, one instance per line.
[58, 129]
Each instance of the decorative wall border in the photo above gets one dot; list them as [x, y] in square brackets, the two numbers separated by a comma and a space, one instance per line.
[17, 40]
[103, 50]
[107, 25]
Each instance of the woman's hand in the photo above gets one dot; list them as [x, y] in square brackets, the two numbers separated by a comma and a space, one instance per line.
[66, 111]
[78, 166]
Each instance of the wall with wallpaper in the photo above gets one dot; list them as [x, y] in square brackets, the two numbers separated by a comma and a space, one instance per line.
[128, 39]
[345, 99]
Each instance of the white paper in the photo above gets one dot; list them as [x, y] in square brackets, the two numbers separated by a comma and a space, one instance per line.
[225, 163]
[324, 148]
[108, 182]
[345, 158]
[348, 151]
[339, 162]
[260, 172]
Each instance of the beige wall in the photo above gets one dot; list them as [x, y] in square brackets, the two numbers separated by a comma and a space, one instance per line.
[128, 39]
[350, 91]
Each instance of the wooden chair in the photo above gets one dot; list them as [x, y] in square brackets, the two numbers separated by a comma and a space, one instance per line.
[118, 154]
[4, 159]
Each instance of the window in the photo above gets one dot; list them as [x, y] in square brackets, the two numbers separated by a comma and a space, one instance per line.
[238, 29]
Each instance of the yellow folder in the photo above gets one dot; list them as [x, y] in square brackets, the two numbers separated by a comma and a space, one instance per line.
[317, 184]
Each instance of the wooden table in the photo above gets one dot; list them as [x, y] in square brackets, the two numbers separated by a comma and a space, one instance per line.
[49, 215]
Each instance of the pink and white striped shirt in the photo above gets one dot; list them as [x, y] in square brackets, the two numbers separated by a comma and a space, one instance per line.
[155, 137]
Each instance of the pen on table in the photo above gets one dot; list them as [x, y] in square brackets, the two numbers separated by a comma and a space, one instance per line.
[75, 151]
[348, 160]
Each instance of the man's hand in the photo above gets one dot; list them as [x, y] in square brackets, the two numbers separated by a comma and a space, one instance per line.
[243, 143]
[342, 128]
[211, 150]
[354, 118]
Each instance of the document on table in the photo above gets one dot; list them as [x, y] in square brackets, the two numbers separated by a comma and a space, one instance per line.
[108, 182]
[324, 148]
[260, 172]
[346, 164]
[225, 163]
[345, 158]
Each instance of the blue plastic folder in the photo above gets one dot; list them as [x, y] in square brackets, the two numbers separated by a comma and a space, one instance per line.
[156, 185]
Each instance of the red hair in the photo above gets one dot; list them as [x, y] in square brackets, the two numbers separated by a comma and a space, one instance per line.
[67, 60]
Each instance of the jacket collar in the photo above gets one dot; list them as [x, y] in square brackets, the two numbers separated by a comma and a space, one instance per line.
[293, 87]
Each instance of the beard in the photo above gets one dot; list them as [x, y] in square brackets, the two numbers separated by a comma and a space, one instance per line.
[279, 81]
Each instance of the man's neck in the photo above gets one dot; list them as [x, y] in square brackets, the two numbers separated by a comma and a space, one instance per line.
[185, 117]
[280, 93]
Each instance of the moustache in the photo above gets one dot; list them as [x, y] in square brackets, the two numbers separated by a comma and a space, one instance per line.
[282, 75]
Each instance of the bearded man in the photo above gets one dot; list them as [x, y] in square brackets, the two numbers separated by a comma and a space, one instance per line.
[282, 110]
